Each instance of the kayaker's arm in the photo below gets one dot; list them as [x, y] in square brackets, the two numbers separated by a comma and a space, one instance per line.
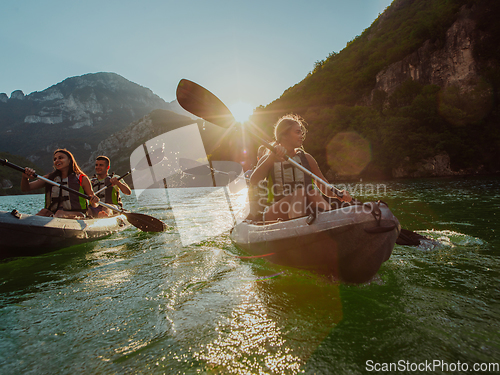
[87, 187]
[266, 163]
[315, 169]
[124, 188]
[262, 169]
[26, 184]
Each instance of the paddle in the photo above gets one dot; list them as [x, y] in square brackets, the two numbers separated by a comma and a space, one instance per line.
[109, 184]
[202, 103]
[143, 222]
[193, 168]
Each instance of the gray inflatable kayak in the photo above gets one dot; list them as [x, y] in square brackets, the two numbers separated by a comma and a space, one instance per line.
[23, 234]
[349, 244]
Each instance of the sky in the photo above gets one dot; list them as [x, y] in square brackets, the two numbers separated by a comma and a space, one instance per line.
[243, 51]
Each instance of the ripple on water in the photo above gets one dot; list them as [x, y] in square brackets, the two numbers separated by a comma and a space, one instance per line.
[142, 303]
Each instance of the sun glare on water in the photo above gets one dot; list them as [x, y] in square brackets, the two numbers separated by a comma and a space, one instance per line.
[241, 111]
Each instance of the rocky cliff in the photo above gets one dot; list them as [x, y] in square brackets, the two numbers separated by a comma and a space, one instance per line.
[453, 63]
[120, 145]
[76, 114]
[437, 166]
[421, 82]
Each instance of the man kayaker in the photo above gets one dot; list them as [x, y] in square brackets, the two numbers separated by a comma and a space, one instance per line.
[290, 192]
[59, 202]
[111, 195]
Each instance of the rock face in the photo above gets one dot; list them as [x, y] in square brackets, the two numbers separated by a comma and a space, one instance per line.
[120, 145]
[438, 165]
[17, 95]
[454, 63]
[117, 147]
[76, 114]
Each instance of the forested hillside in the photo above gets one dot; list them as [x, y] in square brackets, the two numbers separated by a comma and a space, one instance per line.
[381, 102]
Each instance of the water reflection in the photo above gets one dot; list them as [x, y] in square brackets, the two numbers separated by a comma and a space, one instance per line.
[261, 335]
[142, 303]
[250, 341]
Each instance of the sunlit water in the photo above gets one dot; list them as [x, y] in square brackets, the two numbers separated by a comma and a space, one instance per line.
[143, 303]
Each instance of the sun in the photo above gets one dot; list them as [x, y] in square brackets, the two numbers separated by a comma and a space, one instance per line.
[241, 111]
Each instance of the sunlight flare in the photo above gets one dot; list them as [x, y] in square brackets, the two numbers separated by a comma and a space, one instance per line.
[241, 111]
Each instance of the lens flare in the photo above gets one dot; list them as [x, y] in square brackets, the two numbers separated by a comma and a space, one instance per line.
[241, 111]
[348, 153]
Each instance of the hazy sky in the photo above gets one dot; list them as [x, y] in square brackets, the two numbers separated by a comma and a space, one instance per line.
[249, 51]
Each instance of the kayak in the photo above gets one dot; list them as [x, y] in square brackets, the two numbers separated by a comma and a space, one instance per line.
[24, 234]
[349, 244]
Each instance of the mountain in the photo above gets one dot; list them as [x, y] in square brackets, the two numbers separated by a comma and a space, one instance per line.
[77, 114]
[120, 145]
[416, 94]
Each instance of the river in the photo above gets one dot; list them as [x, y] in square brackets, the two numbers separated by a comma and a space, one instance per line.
[155, 303]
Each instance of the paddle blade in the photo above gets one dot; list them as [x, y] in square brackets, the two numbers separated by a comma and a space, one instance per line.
[202, 103]
[145, 223]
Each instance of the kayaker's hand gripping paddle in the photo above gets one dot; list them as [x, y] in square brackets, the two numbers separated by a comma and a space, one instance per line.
[108, 185]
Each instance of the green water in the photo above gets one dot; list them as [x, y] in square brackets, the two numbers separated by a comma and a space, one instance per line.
[141, 303]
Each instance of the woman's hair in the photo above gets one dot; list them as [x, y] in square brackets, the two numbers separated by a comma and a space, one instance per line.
[285, 123]
[73, 166]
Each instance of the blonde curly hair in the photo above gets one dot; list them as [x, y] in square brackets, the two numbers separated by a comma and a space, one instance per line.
[285, 123]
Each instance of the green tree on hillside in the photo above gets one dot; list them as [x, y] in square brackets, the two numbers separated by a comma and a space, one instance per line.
[416, 121]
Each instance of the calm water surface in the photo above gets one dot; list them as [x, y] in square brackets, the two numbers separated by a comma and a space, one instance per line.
[143, 303]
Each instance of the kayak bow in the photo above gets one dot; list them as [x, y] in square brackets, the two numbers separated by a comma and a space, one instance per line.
[24, 234]
[349, 244]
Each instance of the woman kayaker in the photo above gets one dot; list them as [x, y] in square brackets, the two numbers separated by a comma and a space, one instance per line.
[290, 192]
[58, 202]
